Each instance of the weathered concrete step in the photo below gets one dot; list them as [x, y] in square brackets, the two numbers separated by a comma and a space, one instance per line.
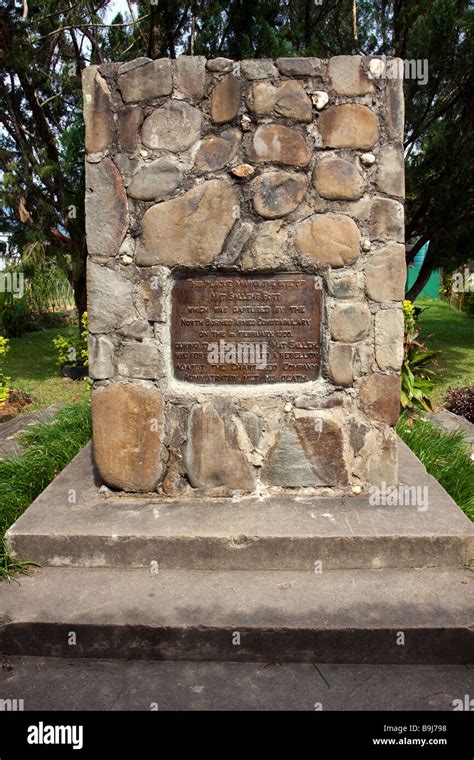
[72, 524]
[376, 616]
[53, 683]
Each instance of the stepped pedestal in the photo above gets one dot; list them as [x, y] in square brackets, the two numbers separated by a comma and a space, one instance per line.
[301, 579]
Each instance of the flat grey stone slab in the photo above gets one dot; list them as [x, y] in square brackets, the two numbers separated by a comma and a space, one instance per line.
[451, 423]
[79, 684]
[11, 431]
[347, 616]
[72, 524]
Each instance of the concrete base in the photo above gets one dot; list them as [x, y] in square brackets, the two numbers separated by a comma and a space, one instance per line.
[302, 579]
[72, 525]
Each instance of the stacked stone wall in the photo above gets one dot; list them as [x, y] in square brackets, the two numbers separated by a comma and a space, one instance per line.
[255, 167]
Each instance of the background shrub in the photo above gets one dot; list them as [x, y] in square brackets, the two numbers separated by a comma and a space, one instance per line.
[461, 401]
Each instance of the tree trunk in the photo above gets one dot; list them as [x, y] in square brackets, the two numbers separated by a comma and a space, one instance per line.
[80, 294]
[423, 275]
[77, 272]
[416, 247]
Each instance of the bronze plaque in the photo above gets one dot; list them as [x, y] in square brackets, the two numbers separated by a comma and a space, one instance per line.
[251, 328]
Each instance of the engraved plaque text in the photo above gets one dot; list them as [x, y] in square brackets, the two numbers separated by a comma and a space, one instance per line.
[247, 329]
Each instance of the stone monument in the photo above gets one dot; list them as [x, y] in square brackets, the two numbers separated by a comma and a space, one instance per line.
[245, 275]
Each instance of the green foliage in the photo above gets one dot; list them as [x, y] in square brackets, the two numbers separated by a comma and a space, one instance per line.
[417, 374]
[73, 351]
[46, 285]
[11, 565]
[448, 332]
[446, 457]
[46, 292]
[32, 365]
[50, 446]
[409, 316]
[4, 381]
[15, 317]
[41, 144]
[49, 291]
[42, 131]
[247, 29]
[440, 135]
[468, 304]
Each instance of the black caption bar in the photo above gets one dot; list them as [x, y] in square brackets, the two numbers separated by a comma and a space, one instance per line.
[124, 735]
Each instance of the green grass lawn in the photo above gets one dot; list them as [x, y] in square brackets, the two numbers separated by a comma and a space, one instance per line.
[31, 365]
[446, 457]
[452, 333]
[49, 447]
